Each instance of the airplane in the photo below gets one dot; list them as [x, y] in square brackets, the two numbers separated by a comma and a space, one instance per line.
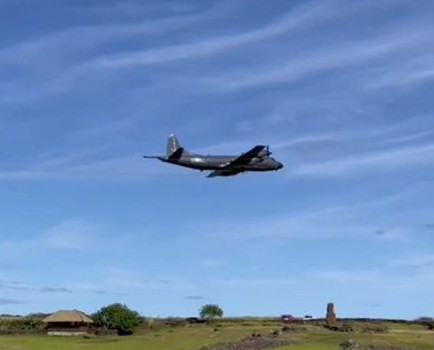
[256, 159]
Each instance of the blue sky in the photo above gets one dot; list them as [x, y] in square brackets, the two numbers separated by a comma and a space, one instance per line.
[341, 91]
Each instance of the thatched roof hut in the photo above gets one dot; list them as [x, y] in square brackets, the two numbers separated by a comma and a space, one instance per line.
[68, 322]
[71, 316]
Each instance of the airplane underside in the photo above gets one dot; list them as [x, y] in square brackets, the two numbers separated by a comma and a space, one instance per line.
[224, 173]
[221, 171]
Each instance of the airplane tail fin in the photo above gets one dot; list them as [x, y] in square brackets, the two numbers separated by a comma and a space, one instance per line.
[174, 150]
[172, 145]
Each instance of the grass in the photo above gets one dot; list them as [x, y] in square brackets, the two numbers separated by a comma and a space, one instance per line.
[193, 337]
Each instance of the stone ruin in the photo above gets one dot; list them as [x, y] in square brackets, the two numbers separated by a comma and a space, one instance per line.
[331, 321]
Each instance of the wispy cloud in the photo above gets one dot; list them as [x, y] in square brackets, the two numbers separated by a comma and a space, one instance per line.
[53, 64]
[25, 287]
[132, 7]
[235, 283]
[14, 286]
[379, 279]
[311, 12]
[66, 236]
[94, 287]
[373, 162]
[81, 37]
[7, 301]
[194, 297]
[319, 60]
[213, 263]
[419, 136]
[417, 70]
[349, 276]
[232, 147]
[72, 167]
[165, 281]
[133, 280]
[351, 221]
[70, 235]
[55, 290]
[415, 262]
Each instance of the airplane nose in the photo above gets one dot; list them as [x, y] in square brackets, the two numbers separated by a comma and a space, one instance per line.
[279, 165]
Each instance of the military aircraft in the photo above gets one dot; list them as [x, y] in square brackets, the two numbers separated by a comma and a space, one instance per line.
[256, 159]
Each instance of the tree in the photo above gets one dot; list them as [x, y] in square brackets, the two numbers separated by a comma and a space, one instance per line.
[425, 319]
[118, 317]
[210, 311]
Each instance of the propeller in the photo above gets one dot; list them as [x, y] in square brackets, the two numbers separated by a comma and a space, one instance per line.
[267, 151]
[264, 153]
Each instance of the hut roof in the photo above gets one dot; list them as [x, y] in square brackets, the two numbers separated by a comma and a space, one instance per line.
[68, 316]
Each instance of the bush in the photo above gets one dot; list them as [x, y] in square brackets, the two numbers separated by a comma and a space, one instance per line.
[294, 329]
[118, 317]
[374, 329]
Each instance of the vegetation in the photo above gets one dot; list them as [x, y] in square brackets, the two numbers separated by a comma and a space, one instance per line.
[118, 317]
[210, 311]
[425, 319]
[25, 325]
[194, 337]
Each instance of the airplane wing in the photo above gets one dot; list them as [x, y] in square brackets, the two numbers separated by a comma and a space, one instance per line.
[245, 158]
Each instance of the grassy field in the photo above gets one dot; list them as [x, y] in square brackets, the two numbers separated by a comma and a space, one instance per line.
[195, 336]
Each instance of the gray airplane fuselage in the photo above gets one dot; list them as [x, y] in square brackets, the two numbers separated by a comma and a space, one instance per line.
[208, 162]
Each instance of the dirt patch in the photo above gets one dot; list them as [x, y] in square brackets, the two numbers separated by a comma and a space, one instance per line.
[254, 342]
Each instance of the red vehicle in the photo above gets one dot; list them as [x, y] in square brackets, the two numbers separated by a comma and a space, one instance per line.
[291, 319]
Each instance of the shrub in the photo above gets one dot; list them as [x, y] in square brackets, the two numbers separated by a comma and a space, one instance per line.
[118, 317]
[374, 329]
